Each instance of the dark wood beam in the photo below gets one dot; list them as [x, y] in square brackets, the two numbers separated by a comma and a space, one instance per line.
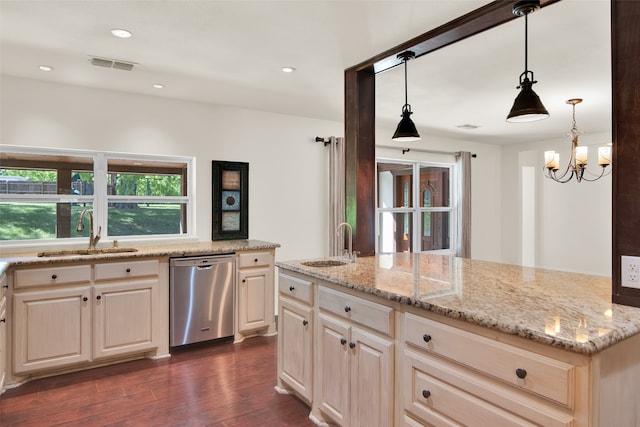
[625, 46]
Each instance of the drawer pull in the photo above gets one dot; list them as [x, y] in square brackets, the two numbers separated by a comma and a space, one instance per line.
[347, 309]
[255, 260]
[305, 322]
[244, 280]
[352, 345]
[85, 299]
[292, 288]
[6, 286]
[3, 320]
[128, 270]
[99, 297]
[426, 394]
[426, 337]
[521, 373]
[343, 341]
[54, 276]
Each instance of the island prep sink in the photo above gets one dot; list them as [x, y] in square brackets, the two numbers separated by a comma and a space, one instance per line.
[324, 263]
[69, 252]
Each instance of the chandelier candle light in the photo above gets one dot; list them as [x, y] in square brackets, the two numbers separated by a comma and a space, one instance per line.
[578, 158]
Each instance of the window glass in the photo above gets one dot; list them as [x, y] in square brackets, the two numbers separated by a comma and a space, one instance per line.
[140, 219]
[436, 181]
[396, 232]
[395, 185]
[40, 220]
[435, 232]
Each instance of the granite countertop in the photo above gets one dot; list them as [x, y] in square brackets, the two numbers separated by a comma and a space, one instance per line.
[565, 310]
[175, 250]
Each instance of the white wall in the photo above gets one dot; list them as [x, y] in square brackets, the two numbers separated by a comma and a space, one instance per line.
[573, 220]
[287, 172]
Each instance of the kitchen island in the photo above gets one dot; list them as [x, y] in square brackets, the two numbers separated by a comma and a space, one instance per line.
[66, 310]
[414, 339]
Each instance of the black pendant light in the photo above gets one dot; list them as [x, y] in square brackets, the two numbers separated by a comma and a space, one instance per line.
[406, 130]
[527, 106]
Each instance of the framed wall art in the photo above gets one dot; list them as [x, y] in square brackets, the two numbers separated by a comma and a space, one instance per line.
[230, 200]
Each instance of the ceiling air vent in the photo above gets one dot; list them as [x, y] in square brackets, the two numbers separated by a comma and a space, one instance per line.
[112, 63]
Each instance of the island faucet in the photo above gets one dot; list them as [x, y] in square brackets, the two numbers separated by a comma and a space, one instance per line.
[350, 254]
[93, 241]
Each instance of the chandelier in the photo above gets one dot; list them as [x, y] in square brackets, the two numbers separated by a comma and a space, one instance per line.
[578, 158]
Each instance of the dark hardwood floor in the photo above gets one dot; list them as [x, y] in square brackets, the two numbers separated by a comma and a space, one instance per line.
[223, 384]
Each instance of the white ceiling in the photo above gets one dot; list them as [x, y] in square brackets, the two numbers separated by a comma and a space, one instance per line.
[231, 53]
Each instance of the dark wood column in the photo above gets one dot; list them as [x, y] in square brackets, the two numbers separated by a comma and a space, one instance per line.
[625, 50]
[360, 114]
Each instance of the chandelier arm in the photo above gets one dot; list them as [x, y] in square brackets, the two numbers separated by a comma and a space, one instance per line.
[561, 179]
[597, 177]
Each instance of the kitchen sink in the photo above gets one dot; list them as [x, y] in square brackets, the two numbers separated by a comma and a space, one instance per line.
[69, 252]
[324, 263]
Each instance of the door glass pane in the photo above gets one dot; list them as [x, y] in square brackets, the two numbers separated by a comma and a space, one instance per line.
[395, 232]
[434, 186]
[395, 185]
[435, 231]
[127, 219]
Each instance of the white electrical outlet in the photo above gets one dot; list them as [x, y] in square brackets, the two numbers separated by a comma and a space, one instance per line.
[630, 271]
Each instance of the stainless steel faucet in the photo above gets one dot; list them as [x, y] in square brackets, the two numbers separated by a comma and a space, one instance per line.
[93, 241]
[350, 254]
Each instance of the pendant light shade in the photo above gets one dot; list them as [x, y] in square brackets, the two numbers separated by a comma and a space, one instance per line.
[406, 130]
[527, 106]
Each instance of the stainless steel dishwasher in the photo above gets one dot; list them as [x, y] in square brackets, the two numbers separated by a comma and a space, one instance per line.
[202, 296]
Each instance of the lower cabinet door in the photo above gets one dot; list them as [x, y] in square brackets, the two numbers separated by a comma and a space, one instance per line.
[52, 328]
[123, 318]
[295, 346]
[372, 387]
[334, 369]
[255, 299]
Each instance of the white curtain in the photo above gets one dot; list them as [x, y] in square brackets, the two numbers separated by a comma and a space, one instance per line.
[463, 166]
[336, 193]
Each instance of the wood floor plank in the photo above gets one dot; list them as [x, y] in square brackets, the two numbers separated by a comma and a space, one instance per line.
[223, 384]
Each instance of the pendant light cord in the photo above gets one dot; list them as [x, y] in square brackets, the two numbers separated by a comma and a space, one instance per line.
[406, 96]
[526, 44]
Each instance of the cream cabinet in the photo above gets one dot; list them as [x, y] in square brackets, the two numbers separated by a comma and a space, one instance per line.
[454, 377]
[255, 297]
[295, 335]
[355, 371]
[71, 315]
[3, 329]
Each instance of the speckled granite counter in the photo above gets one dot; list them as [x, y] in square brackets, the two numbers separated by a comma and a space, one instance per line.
[564, 310]
[179, 250]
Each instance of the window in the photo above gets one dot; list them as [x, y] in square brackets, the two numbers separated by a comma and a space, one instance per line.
[401, 225]
[42, 193]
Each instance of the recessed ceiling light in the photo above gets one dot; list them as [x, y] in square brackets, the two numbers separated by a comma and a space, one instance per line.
[288, 69]
[158, 86]
[45, 68]
[119, 32]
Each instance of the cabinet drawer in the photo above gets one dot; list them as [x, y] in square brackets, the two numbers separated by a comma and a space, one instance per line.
[434, 400]
[127, 269]
[375, 316]
[254, 259]
[52, 275]
[295, 287]
[542, 375]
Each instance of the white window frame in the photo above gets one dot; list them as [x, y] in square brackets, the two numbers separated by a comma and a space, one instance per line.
[100, 199]
[416, 210]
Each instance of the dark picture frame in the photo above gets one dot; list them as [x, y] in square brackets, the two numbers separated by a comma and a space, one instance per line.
[229, 200]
